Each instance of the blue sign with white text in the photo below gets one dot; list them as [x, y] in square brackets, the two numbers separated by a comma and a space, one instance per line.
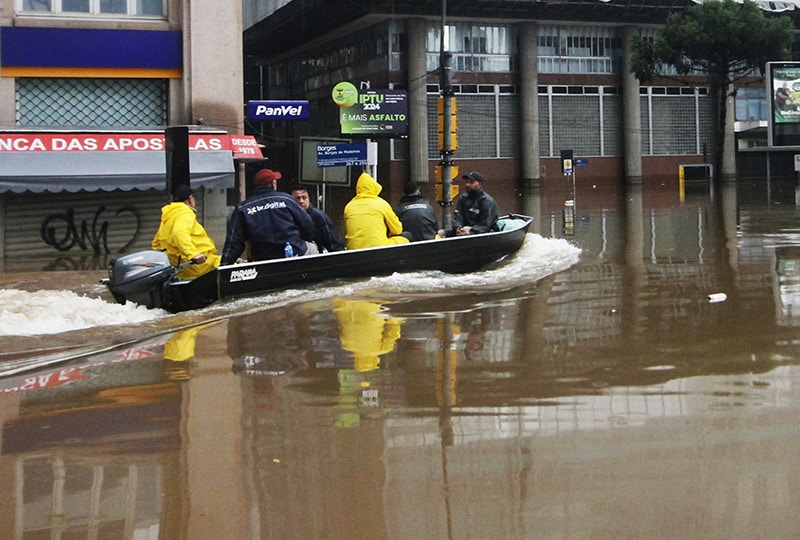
[270, 111]
[341, 155]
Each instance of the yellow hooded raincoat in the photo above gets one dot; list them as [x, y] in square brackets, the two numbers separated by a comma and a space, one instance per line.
[182, 237]
[369, 220]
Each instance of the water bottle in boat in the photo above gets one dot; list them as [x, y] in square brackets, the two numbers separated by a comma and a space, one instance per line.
[287, 250]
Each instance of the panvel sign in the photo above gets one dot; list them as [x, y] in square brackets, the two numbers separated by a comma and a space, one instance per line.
[266, 111]
[122, 142]
[371, 113]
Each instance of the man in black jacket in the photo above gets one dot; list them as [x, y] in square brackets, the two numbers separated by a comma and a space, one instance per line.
[476, 211]
[416, 214]
[268, 219]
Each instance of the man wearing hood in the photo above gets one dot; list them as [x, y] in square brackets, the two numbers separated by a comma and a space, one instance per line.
[416, 214]
[182, 237]
[268, 219]
[369, 220]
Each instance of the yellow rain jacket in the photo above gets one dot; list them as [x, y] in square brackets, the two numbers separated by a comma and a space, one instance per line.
[369, 220]
[182, 237]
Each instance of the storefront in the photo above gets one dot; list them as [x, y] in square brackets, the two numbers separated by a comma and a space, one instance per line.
[70, 200]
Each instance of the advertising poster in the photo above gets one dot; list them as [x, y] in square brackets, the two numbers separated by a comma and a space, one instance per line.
[371, 113]
[783, 80]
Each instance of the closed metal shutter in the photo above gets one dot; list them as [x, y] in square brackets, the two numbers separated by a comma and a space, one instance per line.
[79, 231]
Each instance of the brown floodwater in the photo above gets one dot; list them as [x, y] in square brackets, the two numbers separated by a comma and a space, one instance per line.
[649, 388]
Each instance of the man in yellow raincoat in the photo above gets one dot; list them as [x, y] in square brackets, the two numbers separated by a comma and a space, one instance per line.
[183, 238]
[369, 220]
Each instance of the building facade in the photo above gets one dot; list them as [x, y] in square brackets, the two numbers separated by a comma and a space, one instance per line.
[87, 88]
[531, 79]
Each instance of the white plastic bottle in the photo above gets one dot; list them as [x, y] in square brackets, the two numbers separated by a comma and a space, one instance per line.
[287, 250]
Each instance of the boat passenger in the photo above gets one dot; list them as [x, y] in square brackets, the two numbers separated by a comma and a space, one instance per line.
[476, 211]
[183, 238]
[416, 215]
[268, 219]
[369, 220]
[325, 234]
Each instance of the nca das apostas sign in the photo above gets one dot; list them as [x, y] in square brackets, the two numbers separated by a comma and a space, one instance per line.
[120, 142]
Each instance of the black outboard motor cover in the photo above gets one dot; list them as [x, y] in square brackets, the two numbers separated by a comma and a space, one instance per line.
[136, 275]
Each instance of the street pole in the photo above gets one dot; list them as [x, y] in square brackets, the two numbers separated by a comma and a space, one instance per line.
[446, 152]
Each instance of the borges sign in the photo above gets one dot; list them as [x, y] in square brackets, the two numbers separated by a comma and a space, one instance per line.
[268, 111]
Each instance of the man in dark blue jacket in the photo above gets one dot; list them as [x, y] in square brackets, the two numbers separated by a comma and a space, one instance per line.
[325, 234]
[268, 219]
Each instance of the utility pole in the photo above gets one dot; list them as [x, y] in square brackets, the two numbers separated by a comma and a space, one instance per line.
[447, 124]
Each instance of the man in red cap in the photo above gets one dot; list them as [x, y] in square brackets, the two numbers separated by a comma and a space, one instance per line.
[268, 219]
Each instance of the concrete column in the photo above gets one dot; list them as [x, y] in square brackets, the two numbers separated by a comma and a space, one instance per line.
[728, 172]
[213, 73]
[529, 106]
[417, 101]
[631, 115]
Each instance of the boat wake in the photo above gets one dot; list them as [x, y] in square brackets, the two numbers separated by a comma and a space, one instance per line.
[26, 313]
[62, 311]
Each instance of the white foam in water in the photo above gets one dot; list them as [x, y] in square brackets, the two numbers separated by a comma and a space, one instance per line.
[24, 313]
[538, 258]
[51, 312]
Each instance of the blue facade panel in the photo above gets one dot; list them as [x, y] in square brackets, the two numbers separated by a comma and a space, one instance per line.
[90, 48]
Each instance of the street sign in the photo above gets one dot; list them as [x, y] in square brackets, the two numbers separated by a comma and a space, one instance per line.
[581, 162]
[342, 155]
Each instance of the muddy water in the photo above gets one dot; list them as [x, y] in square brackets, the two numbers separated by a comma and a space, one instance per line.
[648, 389]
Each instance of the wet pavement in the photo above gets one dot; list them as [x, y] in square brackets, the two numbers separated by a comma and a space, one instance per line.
[649, 389]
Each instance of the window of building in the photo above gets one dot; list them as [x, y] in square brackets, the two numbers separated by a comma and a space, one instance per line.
[91, 102]
[751, 103]
[579, 49]
[476, 48]
[146, 8]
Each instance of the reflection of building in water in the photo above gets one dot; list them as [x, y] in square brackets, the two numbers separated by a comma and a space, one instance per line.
[92, 448]
[787, 285]
[83, 498]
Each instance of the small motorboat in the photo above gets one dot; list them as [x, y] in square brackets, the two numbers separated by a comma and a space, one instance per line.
[147, 277]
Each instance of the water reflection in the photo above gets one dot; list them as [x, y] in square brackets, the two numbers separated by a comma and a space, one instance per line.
[610, 399]
[91, 447]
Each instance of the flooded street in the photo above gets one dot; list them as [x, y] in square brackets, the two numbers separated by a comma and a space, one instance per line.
[633, 372]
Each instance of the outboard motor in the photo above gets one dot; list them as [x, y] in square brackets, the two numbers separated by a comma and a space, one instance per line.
[140, 277]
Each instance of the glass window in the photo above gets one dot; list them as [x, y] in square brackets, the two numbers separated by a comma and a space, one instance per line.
[37, 5]
[148, 8]
[77, 6]
[113, 6]
[751, 103]
[474, 48]
[578, 49]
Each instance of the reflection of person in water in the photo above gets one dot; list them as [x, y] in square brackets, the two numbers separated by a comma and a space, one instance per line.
[364, 332]
[269, 343]
[178, 350]
[367, 335]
